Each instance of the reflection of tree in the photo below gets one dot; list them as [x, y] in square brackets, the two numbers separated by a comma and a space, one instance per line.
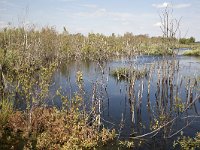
[170, 110]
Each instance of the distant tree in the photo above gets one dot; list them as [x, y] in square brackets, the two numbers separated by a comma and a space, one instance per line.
[187, 41]
[191, 40]
[182, 40]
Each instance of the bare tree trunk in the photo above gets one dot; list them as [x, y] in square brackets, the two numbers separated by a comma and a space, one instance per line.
[169, 27]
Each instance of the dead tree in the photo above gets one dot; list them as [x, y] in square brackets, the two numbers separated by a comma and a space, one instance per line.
[169, 27]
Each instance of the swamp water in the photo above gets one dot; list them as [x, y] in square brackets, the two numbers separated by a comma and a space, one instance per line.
[140, 106]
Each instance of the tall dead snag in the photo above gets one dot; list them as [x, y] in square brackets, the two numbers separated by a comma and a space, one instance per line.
[169, 27]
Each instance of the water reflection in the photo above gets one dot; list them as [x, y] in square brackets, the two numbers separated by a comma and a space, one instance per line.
[139, 106]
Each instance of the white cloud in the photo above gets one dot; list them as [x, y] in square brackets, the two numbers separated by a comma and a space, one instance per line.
[181, 5]
[163, 5]
[158, 24]
[167, 4]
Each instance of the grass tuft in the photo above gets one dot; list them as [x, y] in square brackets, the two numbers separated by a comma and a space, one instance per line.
[126, 73]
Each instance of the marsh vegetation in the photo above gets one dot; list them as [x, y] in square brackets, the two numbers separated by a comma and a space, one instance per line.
[71, 91]
[195, 52]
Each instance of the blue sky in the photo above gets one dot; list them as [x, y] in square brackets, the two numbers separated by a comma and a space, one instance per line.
[103, 16]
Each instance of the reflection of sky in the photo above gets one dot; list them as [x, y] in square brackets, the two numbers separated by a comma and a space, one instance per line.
[190, 65]
[118, 103]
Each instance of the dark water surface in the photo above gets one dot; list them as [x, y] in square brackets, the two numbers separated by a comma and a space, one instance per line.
[136, 116]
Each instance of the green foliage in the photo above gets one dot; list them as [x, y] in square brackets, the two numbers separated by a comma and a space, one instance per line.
[187, 41]
[48, 45]
[5, 111]
[126, 144]
[179, 105]
[126, 73]
[157, 50]
[187, 143]
[28, 60]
